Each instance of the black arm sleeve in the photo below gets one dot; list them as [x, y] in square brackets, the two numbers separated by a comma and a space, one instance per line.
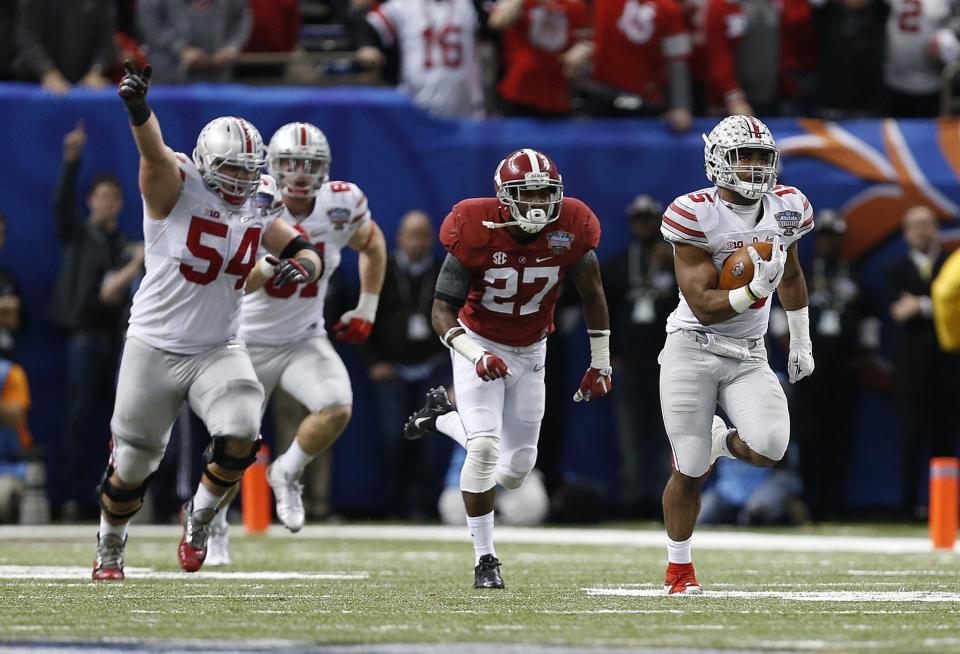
[297, 244]
[68, 224]
[453, 282]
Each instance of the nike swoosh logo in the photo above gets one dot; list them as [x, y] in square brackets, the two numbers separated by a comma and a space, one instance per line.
[770, 280]
[539, 368]
[419, 421]
[539, 259]
[245, 219]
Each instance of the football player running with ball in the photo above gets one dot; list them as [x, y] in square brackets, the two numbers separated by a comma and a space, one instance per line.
[283, 325]
[203, 221]
[493, 307]
[714, 352]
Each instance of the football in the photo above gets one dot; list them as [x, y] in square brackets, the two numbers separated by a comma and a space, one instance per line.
[737, 268]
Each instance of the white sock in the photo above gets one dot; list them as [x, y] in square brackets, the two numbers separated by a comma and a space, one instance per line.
[205, 499]
[220, 520]
[481, 531]
[449, 424]
[117, 530]
[294, 460]
[679, 551]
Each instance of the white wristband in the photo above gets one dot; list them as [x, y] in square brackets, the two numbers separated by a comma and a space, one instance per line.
[798, 321]
[467, 347]
[599, 348]
[265, 268]
[740, 299]
[367, 306]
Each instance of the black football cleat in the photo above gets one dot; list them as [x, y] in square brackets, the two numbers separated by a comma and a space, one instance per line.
[487, 573]
[424, 421]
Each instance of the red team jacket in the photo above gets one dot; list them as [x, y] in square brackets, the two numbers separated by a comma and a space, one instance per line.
[532, 47]
[514, 288]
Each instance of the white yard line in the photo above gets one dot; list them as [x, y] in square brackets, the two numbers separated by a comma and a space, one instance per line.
[798, 596]
[68, 572]
[711, 540]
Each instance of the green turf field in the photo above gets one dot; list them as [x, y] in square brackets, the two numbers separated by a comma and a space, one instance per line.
[328, 588]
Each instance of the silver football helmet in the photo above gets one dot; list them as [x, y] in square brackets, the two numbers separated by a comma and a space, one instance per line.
[300, 159]
[230, 141]
[723, 156]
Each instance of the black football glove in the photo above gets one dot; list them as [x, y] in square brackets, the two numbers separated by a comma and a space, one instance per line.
[133, 91]
[291, 271]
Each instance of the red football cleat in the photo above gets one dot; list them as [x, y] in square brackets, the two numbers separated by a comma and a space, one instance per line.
[193, 545]
[681, 579]
[108, 566]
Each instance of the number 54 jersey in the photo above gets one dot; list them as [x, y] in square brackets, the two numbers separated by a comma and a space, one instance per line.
[514, 288]
[197, 261]
[277, 315]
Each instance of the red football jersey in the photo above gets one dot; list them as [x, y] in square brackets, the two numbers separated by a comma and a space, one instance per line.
[514, 288]
[531, 50]
[716, 28]
[634, 41]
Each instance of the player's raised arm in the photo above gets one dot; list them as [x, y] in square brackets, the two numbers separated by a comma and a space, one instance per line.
[453, 285]
[160, 179]
[355, 325]
[298, 262]
[598, 380]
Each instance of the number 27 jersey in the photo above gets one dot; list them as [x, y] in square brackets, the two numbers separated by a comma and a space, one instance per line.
[514, 288]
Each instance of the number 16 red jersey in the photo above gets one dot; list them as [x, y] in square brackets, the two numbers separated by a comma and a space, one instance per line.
[514, 288]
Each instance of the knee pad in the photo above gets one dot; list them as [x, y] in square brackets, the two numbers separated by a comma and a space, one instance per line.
[479, 468]
[135, 461]
[773, 444]
[105, 489]
[216, 453]
[236, 411]
[518, 467]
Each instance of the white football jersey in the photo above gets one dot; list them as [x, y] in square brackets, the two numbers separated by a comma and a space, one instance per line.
[197, 261]
[909, 67]
[438, 53]
[279, 315]
[702, 220]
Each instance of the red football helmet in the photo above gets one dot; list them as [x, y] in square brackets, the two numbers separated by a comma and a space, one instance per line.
[530, 185]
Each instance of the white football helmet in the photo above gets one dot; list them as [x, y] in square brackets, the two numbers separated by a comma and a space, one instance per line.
[230, 141]
[300, 159]
[722, 153]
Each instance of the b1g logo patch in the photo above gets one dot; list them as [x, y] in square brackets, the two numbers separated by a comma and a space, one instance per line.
[559, 242]
[339, 216]
[789, 221]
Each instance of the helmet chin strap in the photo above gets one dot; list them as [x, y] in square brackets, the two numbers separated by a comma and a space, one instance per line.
[535, 216]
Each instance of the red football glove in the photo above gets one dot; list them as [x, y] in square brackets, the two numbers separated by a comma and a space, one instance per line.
[597, 382]
[490, 367]
[352, 330]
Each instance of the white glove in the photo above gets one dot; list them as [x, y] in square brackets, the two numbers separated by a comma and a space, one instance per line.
[800, 361]
[767, 274]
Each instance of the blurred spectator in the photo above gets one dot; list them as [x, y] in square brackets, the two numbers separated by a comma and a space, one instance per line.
[798, 58]
[850, 48]
[194, 40]
[64, 42]
[641, 292]
[639, 66]
[824, 409]
[407, 359]
[716, 28]
[437, 46]
[916, 48]
[15, 438]
[926, 377]
[90, 301]
[545, 44]
[741, 494]
[11, 302]
[276, 26]
[8, 39]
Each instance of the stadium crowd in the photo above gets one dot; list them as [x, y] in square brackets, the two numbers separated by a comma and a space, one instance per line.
[550, 59]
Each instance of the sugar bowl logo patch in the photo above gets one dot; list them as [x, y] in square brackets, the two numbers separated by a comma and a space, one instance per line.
[789, 221]
[339, 216]
[559, 242]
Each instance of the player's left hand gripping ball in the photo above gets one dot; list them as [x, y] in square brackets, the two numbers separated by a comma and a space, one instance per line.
[800, 363]
[352, 328]
[597, 382]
